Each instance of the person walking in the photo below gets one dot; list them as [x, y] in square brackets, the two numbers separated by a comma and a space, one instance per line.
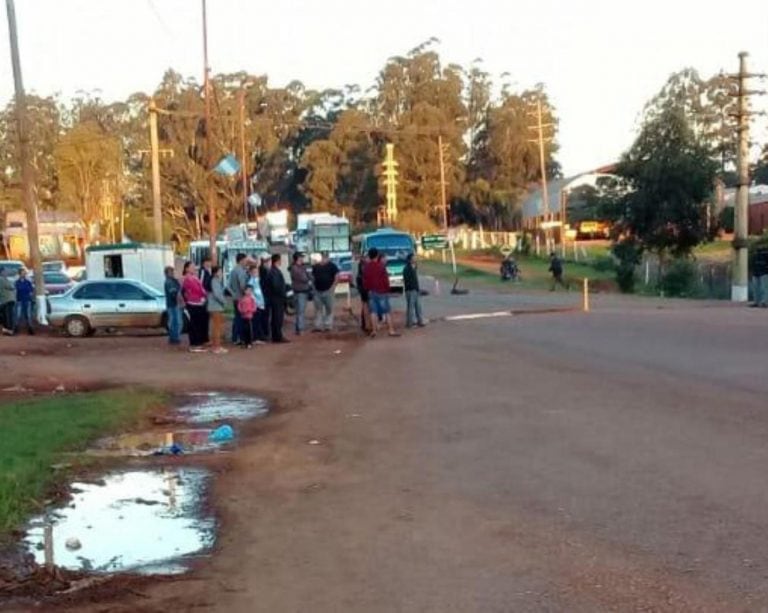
[7, 302]
[217, 302]
[556, 268]
[25, 300]
[264, 264]
[325, 274]
[365, 311]
[260, 324]
[376, 280]
[412, 291]
[275, 299]
[247, 307]
[238, 280]
[301, 283]
[205, 274]
[195, 299]
[174, 305]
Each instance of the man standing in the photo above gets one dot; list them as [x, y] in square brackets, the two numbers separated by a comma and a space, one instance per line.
[238, 281]
[556, 268]
[376, 281]
[324, 273]
[25, 299]
[302, 285]
[7, 302]
[412, 293]
[174, 305]
[760, 277]
[205, 274]
[365, 311]
[275, 297]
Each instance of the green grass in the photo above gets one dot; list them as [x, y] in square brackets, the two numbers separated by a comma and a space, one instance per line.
[534, 272]
[33, 434]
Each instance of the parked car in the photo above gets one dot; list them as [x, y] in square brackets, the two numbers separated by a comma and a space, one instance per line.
[115, 303]
[55, 266]
[56, 283]
[13, 266]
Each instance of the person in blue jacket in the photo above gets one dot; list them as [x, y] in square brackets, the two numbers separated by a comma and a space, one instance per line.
[25, 301]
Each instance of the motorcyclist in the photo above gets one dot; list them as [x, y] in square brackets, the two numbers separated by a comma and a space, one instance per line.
[509, 269]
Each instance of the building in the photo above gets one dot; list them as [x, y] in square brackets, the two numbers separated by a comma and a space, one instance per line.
[758, 207]
[62, 236]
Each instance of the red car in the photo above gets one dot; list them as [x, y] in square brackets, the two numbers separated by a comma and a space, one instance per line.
[56, 283]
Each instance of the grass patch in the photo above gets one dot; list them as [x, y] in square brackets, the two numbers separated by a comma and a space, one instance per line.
[534, 272]
[34, 432]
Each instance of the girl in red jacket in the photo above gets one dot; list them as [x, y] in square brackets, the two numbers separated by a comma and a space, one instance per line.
[247, 308]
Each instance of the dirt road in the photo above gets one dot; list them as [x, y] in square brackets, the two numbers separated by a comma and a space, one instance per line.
[559, 462]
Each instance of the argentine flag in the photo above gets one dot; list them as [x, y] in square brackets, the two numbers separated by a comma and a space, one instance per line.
[227, 166]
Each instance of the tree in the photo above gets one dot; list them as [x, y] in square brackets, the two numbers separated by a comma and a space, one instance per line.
[88, 164]
[760, 170]
[666, 178]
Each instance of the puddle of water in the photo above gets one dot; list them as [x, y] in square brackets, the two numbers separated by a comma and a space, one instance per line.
[153, 443]
[209, 407]
[148, 522]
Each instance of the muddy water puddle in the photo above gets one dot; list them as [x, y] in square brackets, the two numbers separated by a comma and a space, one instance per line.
[148, 522]
[142, 444]
[211, 407]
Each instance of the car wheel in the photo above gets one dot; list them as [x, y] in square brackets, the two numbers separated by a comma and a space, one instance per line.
[77, 326]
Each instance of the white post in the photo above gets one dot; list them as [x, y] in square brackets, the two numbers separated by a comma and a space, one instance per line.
[586, 295]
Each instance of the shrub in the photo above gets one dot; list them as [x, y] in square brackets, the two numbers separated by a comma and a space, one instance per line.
[604, 263]
[627, 253]
[679, 279]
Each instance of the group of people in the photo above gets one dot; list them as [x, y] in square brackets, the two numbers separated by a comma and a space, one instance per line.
[17, 301]
[259, 299]
[257, 292]
[372, 281]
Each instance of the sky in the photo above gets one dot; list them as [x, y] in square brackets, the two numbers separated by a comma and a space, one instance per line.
[599, 60]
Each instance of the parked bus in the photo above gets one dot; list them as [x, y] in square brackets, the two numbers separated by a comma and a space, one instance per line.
[396, 245]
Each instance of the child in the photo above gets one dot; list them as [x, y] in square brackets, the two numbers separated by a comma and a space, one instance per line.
[247, 308]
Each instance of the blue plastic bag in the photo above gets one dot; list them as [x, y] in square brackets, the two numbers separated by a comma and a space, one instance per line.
[222, 434]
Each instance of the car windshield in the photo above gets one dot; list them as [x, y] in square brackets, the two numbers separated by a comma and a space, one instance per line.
[53, 266]
[56, 278]
[12, 268]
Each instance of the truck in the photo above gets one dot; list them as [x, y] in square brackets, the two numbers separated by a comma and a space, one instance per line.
[137, 261]
[273, 227]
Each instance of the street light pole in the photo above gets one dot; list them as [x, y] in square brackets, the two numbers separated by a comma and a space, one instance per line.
[207, 158]
[27, 172]
[244, 167]
[740, 283]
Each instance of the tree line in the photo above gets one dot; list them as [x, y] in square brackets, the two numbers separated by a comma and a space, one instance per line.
[305, 149]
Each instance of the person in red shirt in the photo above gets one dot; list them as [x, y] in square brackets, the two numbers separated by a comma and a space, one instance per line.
[247, 308]
[376, 282]
[195, 298]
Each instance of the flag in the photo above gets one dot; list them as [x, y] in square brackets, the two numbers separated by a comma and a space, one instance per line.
[227, 166]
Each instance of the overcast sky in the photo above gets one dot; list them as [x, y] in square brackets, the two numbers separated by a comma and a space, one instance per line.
[600, 60]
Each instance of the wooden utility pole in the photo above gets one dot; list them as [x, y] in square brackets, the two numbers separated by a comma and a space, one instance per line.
[740, 282]
[27, 172]
[212, 232]
[157, 210]
[542, 162]
[444, 200]
[244, 167]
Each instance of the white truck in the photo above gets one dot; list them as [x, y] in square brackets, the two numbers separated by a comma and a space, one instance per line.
[273, 227]
[137, 261]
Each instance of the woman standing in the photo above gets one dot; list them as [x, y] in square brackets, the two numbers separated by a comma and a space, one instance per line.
[195, 298]
[216, 303]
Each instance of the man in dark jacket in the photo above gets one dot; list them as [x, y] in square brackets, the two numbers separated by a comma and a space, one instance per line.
[275, 297]
[25, 302]
[556, 268]
[205, 275]
[412, 293]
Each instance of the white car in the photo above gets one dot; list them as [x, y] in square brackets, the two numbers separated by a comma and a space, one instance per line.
[110, 303]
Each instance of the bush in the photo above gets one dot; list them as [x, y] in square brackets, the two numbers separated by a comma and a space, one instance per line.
[679, 279]
[604, 263]
[726, 219]
[627, 253]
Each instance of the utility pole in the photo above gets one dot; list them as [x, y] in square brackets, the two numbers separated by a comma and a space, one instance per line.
[157, 210]
[541, 140]
[444, 200]
[740, 282]
[27, 172]
[208, 149]
[244, 167]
